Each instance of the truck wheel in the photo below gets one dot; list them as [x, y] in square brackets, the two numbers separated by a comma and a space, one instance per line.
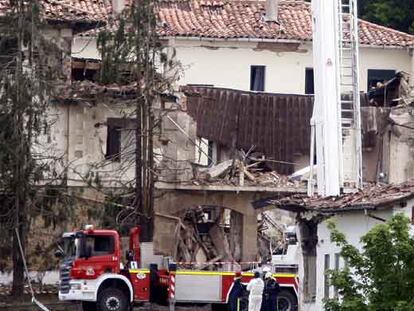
[112, 299]
[287, 301]
[88, 306]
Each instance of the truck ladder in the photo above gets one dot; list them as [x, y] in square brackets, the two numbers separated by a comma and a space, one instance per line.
[348, 40]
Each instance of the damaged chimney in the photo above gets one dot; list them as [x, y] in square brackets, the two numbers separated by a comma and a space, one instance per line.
[118, 6]
[272, 10]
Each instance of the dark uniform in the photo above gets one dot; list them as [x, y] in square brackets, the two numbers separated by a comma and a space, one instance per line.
[270, 293]
[235, 293]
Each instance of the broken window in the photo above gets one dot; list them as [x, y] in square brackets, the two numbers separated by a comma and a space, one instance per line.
[85, 69]
[206, 151]
[309, 240]
[120, 141]
[257, 78]
[309, 81]
[376, 76]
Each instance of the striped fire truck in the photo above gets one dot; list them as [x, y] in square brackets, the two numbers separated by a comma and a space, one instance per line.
[92, 272]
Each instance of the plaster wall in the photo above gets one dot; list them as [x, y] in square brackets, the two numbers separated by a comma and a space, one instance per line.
[227, 64]
[354, 224]
[78, 137]
[401, 147]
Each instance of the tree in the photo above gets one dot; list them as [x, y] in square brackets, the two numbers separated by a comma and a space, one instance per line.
[391, 13]
[26, 74]
[396, 14]
[133, 55]
[379, 277]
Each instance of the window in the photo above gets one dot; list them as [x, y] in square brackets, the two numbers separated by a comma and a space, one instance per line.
[337, 257]
[309, 81]
[100, 245]
[113, 143]
[257, 78]
[379, 75]
[85, 69]
[326, 276]
[120, 140]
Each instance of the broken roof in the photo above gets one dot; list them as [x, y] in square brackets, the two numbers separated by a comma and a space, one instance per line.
[68, 11]
[371, 197]
[244, 20]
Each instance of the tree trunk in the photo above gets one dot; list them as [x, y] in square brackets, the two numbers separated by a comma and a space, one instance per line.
[18, 268]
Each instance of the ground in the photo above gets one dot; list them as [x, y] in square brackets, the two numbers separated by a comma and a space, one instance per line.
[51, 301]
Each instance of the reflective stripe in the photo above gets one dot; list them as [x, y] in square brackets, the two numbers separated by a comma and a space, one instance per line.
[189, 272]
[139, 271]
[184, 272]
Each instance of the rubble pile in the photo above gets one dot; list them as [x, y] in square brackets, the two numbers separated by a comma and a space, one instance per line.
[208, 238]
[242, 172]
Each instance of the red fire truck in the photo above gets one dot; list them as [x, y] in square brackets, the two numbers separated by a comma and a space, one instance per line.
[92, 272]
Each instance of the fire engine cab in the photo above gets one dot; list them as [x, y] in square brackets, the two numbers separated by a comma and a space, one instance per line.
[92, 272]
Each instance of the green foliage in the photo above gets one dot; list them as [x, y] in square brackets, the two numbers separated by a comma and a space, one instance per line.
[381, 276]
[392, 13]
[130, 47]
[397, 14]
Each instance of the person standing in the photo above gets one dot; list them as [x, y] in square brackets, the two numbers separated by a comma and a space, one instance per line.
[236, 292]
[271, 290]
[255, 288]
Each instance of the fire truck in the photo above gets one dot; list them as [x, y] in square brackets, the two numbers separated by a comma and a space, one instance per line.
[93, 273]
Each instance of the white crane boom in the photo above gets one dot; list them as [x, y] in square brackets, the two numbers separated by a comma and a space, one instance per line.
[336, 123]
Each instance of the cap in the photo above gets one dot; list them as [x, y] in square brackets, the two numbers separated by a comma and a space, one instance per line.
[237, 275]
[268, 275]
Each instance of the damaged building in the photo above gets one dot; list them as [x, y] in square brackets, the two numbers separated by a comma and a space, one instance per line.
[237, 127]
[249, 140]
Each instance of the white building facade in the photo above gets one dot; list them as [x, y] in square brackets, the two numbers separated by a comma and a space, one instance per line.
[354, 224]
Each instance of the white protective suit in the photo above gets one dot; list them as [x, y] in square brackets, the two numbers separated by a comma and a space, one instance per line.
[255, 287]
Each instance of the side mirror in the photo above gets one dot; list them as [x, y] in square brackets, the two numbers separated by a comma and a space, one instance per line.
[59, 254]
[129, 255]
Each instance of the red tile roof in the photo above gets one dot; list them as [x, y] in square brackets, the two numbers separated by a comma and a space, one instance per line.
[244, 19]
[73, 11]
[371, 197]
[228, 19]
[76, 10]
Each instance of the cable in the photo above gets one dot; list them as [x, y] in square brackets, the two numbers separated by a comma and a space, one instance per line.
[402, 125]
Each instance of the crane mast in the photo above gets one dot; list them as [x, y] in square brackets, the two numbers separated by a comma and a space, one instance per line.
[336, 121]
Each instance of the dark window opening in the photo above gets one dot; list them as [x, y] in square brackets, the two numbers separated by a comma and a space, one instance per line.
[85, 69]
[120, 140]
[113, 143]
[376, 76]
[257, 78]
[309, 81]
[81, 75]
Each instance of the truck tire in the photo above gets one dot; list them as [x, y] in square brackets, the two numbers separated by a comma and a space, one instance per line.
[112, 299]
[287, 301]
[88, 306]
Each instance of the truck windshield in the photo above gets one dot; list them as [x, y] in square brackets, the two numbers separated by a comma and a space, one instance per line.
[71, 247]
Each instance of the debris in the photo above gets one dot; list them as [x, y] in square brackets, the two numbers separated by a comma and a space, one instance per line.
[244, 170]
[218, 169]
